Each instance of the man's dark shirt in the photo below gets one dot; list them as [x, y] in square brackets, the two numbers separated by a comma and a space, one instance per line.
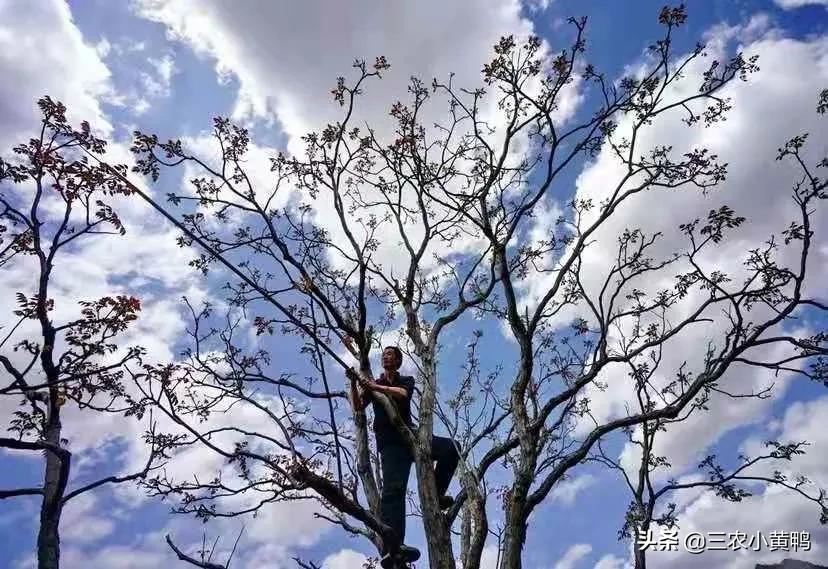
[384, 429]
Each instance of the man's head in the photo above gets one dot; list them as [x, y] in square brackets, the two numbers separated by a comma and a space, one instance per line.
[391, 358]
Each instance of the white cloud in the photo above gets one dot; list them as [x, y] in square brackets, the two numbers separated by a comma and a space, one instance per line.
[149, 550]
[297, 94]
[566, 492]
[538, 5]
[269, 557]
[609, 562]
[83, 520]
[573, 556]
[103, 47]
[317, 42]
[256, 163]
[154, 83]
[313, 46]
[802, 422]
[140, 106]
[165, 67]
[344, 559]
[289, 524]
[145, 262]
[791, 4]
[158, 83]
[146, 551]
[705, 427]
[65, 67]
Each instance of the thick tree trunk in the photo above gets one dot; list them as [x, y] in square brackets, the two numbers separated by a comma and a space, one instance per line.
[515, 534]
[517, 512]
[465, 536]
[475, 522]
[363, 458]
[438, 538]
[57, 463]
[54, 485]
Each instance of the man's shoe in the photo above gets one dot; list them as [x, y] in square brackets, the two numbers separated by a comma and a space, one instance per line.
[405, 554]
[446, 502]
[409, 554]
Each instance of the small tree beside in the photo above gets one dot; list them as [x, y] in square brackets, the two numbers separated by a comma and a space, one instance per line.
[53, 197]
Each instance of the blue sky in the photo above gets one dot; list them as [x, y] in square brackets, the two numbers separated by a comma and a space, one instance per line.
[168, 67]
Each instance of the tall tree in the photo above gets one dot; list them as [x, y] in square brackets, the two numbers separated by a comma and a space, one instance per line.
[424, 231]
[52, 197]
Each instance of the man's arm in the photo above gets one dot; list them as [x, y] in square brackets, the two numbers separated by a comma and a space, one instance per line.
[362, 398]
[395, 391]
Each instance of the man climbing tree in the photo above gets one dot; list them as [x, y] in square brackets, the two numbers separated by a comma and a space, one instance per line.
[395, 456]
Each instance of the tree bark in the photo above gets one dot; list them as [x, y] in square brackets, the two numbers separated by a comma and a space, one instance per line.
[438, 537]
[639, 554]
[517, 512]
[515, 534]
[54, 485]
[475, 523]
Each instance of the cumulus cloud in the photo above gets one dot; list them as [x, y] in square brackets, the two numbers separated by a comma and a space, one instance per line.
[315, 46]
[285, 61]
[490, 557]
[572, 557]
[156, 83]
[146, 551]
[316, 42]
[344, 559]
[609, 562]
[792, 4]
[268, 557]
[84, 520]
[802, 422]
[65, 67]
[566, 492]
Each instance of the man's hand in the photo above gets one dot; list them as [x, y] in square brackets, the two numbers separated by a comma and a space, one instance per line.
[352, 374]
[355, 377]
[366, 385]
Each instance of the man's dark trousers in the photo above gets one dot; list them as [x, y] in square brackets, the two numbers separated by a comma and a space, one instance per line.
[395, 461]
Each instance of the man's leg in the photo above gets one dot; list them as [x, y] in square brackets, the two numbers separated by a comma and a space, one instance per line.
[395, 462]
[445, 453]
